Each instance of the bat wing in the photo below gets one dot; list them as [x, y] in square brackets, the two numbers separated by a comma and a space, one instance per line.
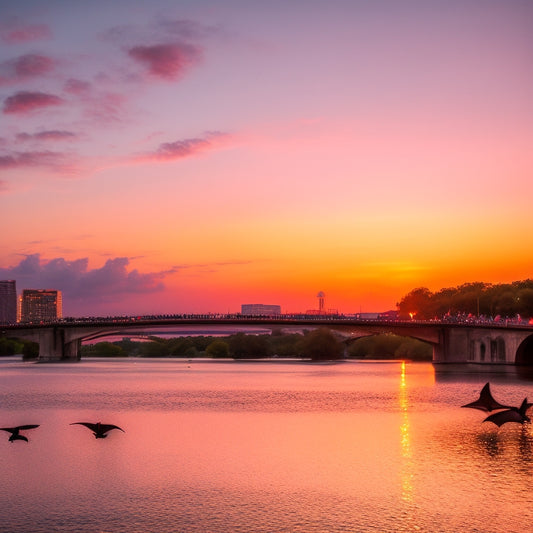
[18, 428]
[524, 406]
[509, 415]
[108, 427]
[89, 425]
[486, 402]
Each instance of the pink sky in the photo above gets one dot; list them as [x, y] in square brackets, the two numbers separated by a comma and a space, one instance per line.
[168, 157]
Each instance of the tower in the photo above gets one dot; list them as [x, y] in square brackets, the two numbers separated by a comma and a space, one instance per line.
[8, 301]
[321, 297]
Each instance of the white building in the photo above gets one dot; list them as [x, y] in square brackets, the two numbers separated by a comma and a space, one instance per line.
[260, 309]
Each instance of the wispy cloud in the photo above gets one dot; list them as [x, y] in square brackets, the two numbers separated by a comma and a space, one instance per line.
[186, 29]
[24, 67]
[47, 135]
[19, 33]
[185, 148]
[57, 161]
[28, 101]
[102, 106]
[168, 61]
[76, 86]
[215, 266]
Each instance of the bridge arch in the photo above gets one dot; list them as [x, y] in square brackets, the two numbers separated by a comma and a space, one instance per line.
[524, 353]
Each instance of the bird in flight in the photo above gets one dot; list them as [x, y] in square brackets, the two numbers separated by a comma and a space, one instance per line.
[513, 414]
[99, 430]
[15, 432]
[486, 402]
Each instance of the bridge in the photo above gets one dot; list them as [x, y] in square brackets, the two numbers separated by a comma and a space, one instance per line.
[482, 343]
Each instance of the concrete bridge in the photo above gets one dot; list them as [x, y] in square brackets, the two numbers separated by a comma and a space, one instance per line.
[482, 343]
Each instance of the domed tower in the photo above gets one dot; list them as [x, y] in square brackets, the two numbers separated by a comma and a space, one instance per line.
[320, 297]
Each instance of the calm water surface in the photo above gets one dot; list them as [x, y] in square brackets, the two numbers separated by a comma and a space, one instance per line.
[260, 447]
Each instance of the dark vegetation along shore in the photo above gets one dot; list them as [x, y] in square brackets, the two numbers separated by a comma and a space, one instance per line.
[319, 344]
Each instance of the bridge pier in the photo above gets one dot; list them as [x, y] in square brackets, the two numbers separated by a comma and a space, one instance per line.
[483, 346]
[53, 346]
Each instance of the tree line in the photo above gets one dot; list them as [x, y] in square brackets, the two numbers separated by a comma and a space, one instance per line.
[485, 300]
[11, 346]
[316, 345]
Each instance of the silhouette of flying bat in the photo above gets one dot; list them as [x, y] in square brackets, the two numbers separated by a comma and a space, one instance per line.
[486, 402]
[15, 435]
[514, 414]
[99, 430]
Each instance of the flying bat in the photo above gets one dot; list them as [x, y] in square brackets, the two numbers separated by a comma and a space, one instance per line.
[514, 414]
[15, 432]
[99, 430]
[486, 402]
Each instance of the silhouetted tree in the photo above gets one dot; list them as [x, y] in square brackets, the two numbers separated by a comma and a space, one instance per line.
[10, 346]
[218, 349]
[321, 344]
[248, 346]
[30, 350]
[477, 298]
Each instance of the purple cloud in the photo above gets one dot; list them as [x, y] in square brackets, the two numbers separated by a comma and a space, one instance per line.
[49, 135]
[106, 107]
[78, 87]
[28, 101]
[52, 160]
[185, 29]
[103, 107]
[184, 148]
[80, 283]
[24, 67]
[168, 61]
[23, 34]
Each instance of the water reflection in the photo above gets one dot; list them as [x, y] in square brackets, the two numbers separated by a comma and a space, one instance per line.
[407, 470]
[513, 442]
[217, 447]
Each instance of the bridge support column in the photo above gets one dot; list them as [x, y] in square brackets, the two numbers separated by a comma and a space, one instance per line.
[453, 346]
[71, 350]
[52, 346]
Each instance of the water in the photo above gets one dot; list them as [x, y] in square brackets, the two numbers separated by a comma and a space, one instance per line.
[260, 447]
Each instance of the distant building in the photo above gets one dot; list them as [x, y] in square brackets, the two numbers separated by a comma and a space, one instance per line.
[389, 315]
[260, 309]
[41, 305]
[8, 301]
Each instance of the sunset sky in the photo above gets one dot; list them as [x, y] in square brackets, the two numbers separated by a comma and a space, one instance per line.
[172, 156]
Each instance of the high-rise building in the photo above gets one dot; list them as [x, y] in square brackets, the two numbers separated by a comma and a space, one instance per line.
[41, 305]
[260, 309]
[8, 301]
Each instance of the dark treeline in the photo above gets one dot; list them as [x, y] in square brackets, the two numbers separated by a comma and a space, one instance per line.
[9, 346]
[319, 344]
[478, 299]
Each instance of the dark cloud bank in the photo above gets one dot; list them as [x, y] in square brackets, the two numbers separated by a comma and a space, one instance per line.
[81, 285]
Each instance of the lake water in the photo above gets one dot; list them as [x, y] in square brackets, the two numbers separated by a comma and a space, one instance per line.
[260, 447]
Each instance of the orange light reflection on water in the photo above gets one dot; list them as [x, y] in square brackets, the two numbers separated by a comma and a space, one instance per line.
[405, 440]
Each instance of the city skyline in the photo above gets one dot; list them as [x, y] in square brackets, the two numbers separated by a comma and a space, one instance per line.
[161, 157]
